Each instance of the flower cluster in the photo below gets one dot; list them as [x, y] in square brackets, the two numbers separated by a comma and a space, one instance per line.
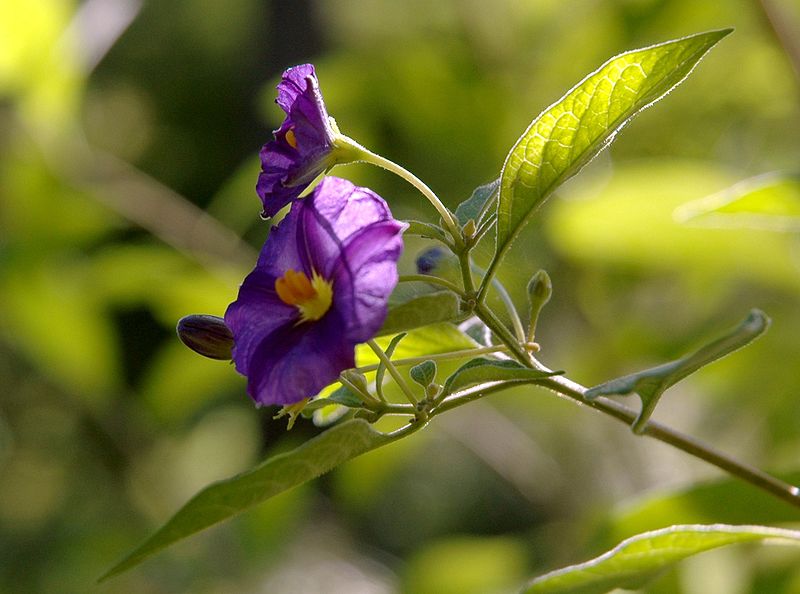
[323, 278]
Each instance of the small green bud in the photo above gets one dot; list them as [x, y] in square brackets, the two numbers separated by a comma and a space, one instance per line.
[540, 289]
[469, 230]
[356, 379]
[206, 335]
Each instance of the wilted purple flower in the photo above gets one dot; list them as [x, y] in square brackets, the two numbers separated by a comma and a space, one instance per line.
[305, 145]
[319, 288]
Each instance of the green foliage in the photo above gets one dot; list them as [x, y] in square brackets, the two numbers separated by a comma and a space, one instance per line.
[567, 135]
[635, 561]
[482, 370]
[424, 373]
[272, 477]
[421, 310]
[650, 384]
[477, 204]
[466, 565]
[770, 202]
[102, 410]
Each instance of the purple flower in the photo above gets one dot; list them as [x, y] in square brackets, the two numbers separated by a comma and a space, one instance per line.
[319, 288]
[305, 145]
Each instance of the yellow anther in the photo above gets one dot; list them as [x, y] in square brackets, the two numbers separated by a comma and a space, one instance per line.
[290, 138]
[312, 297]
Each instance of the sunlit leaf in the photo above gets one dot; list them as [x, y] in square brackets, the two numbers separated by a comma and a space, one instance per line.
[770, 201]
[482, 370]
[567, 135]
[651, 383]
[226, 498]
[612, 225]
[635, 561]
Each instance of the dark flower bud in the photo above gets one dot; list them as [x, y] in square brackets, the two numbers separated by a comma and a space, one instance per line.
[437, 261]
[206, 335]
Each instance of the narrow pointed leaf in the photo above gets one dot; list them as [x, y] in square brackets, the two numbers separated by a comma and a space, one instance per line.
[280, 473]
[474, 206]
[635, 561]
[651, 383]
[568, 134]
[482, 370]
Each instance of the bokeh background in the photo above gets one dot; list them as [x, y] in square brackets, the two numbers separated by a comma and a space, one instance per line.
[129, 133]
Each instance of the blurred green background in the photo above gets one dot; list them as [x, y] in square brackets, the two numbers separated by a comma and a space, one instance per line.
[129, 134]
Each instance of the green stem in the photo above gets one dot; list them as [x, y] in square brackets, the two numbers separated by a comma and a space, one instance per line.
[466, 272]
[516, 322]
[368, 156]
[435, 280]
[487, 279]
[690, 445]
[463, 354]
[495, 325]
[393, 371]
[685, 443]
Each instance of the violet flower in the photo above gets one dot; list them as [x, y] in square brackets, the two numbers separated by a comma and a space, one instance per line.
[306, 144]
[320, 287]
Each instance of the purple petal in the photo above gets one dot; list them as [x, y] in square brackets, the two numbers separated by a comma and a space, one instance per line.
[288, 168]
[297, 361]
[369, 265]
[346, 234]
[256, 313]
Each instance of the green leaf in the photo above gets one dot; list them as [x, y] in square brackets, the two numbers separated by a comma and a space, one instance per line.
[424, 373]
[568, 134]
[422, 310]
[651, 383]
[474, 206]
[482, 370]
[341, 395]
[635, 561]
[770, 201]
[226, 498]
[426, 230]
[696, 504]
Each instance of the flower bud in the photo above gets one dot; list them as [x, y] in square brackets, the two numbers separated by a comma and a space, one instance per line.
[437, 261]
[206, 335]
[540, 289]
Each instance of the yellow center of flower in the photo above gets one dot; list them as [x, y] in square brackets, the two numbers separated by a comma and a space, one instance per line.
[313, 297]
[290, 138]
